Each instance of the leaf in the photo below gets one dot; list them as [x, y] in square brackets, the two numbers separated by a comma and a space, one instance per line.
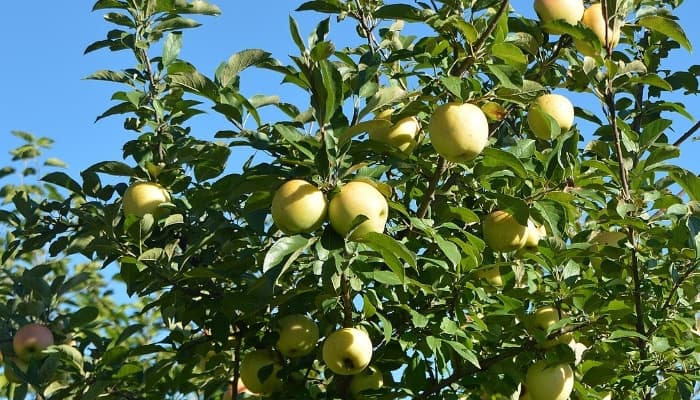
[83, 316]
[391, 250]
[693, 225]
[322, 6]
[196, 83]
[689, 182]
[497, 158]
[281, 249]
[229, 71]
[450, 249]
[667, 27]
[621, 333]
[63, 180]
[171, 47]
[464, 352]
[115, 168]
[385, 95]
[400, 11]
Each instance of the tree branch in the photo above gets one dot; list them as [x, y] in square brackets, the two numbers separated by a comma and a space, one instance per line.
[429, 195]
[688, 134]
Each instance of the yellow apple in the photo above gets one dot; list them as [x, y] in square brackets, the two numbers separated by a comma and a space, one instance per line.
[354, 199]
[143, 198]
[298, 207]
[402, 134]
[608, 396]
[543, 318]
[608, 238]
[549, 382]
[30, 340]
[10, 374]
[369, 379]
[251, 366]
[570, 11]
[347, 351]
[492, 276]
[534, 234]
[502, 232]
[593, 18]
[557, 107]
[458, 131]
[298, 335]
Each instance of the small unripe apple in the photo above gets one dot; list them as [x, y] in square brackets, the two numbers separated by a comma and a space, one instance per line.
[298, 335]
[594, 19]
[570, 11]
[347, 351]
[369, 379]
[251, 366]
[459, 131]
[502, 232]
[298, 207]
[492, 276]
[143, 198]
[354, 199]
[557, 107]
[549, 382]
[30, 340]
[401, 135]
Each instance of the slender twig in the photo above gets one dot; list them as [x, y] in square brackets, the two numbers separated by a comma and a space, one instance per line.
[236, 368]
[688, 134]
[429, 194]
[672, 293]
[347, 301]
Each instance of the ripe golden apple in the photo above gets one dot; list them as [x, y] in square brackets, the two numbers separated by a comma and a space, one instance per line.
[549, 382]
[354, 199]
[347, 351]
[594, 19]
[492, 276]
[252, 363]
[534, 234]
[10, 374]
[570, 11]
[143, 198]
[557, 107]
[298, 207]
[502, 232]
[458, 131]
[30, 340]
[402, 134]
[546, 316]
[369, 379]
[298, 335]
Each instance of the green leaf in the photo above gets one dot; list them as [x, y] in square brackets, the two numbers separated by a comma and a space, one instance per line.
[464, 352]
[281, 249]
[450, 249]
[196, 83]
[622, 333]
[509, 53]
[62, 180]
[322, 6]
[688, 181]
[171, 48]
[693, 225]
[667, 27]
[83, 316]
[229, 71]
[497, 158]
[385, 95]
[400, 11]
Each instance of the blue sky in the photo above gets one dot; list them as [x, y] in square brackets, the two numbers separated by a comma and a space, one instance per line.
[43, 69]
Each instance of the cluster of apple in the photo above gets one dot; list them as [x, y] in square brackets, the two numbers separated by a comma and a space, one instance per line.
[28, 343]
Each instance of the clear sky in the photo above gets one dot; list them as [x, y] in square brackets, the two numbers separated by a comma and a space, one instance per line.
[42, 43]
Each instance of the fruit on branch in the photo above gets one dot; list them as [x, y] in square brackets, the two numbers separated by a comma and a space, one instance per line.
[369, 379]
[30, 340]
[534, 234]
[354, 199]
[557, 107]
[298, 207]
[594, 19]
[143, 198]
[458, 131]
[491, 275]
[259, 370]
[546, 316]
[502, 232]
[401, 135]
[570, 11]
[298, 335]
[347, 351]
[546, 381]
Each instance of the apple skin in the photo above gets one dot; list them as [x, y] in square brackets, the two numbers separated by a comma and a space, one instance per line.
[503, 233]
[556, 106]
[369, 379]
[570, 11]
[545, 382]
[546, 316]
[534, 235]
[30, 340]
[347, 351]
[458, 131]
[240, 389]
[354, 199]
[593, 18]
[298, 207]
[298, 335]
[491, 275]
[401, 135]
[252, 363]
[10, 374]
[143, 198]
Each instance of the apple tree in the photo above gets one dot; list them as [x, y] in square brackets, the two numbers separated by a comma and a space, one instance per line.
[430, 217]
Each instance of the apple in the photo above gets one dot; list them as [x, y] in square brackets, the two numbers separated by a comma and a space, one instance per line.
[347, 351]
[608, 396]
[30, 340]
[557, 107]
[570, 11]
[458, 131]
[369, 379]
[10, 374]
[143, 198]
[525, 396]
[534, 234]
[298, 207]
[354, 199]
[546, 316]
[298, 335]
[545, 381]
[240, 389]
[401, 135]
[594, 19]
[492, 276]
[251, 366]
[608, 238]
[502, 232]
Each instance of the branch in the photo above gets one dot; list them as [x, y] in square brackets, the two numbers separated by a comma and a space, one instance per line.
[429, 195]
[672, 293]
[688, 134]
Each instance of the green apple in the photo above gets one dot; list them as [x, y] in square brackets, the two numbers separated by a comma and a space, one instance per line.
[298, 207]
[546, 316]
[555, 106]
[458, 131]
[258, 363]
[30, 340]
[608, 238]
[594, 19]
[10, 374]
[298, 335]
[347, 351]
[401, 135]
[369, 379]
[570, 11]
[549, 382]
[502, 232]
[143, 198]
[491, 275]
[354, 199]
